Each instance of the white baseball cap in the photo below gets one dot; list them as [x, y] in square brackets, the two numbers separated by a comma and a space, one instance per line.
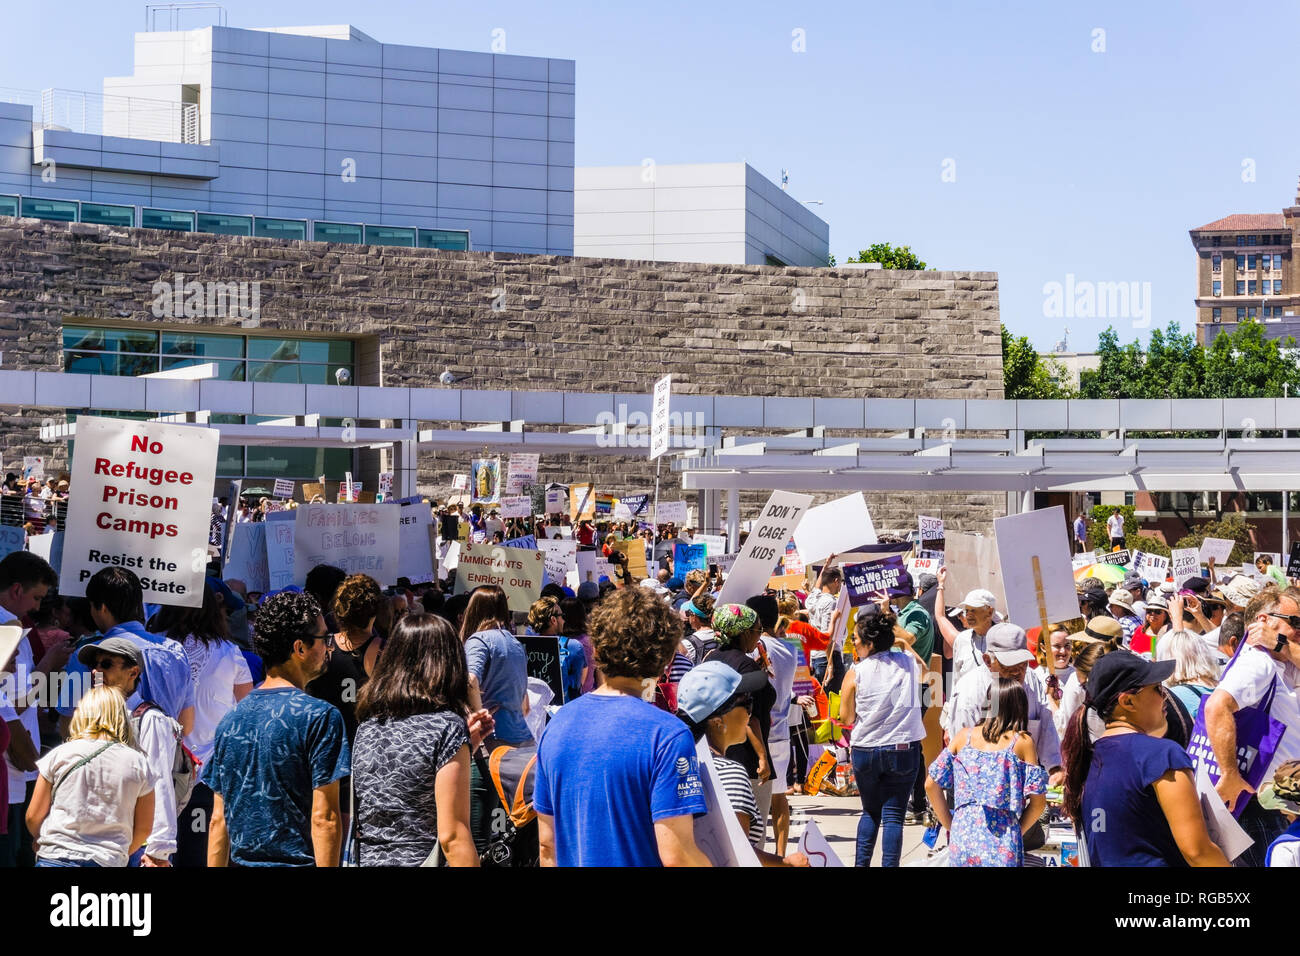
[979, 598]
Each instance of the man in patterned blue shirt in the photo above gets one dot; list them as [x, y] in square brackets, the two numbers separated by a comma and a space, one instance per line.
[279, 754]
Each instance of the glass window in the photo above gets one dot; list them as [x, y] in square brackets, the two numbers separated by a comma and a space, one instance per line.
[8, 205]
[1251, 240]
[223, 225]
[109, 340]
[303, 373]
[1241, 314]
[1277, 286]
[280, 228]
[189, 343]
[390, 236]
[325, 351]
[269, 461]
[1218, 315]
[108, 215]
[443, 239]
[1277, 263]
[1241, 287]
[228, 370]
[1241, 240]
[337, 232]
[1217, 259]
[1251, 262]
[1250, 287]
[59, 210]
[1217, 240]
[1218, 287]
[171, 219]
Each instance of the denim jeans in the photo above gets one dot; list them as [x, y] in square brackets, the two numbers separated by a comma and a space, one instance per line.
[47, 861]
[884, 777]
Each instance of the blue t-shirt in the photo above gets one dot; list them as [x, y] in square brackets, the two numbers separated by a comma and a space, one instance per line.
[499, 661]
[269, 754]
[608, 767]
[164, 673]
[1122, 819]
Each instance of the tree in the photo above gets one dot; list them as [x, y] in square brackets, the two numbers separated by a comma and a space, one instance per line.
[1025, 374]
[1232, 526]
[889, 257]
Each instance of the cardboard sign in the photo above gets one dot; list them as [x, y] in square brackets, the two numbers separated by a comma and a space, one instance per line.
[544, 662]
[312, 490]
[659, 416]
[1186, 563]
[1121, 557]
[592, 566]
[247, 561]
[814, 845]
[279, 550]
[143, 500]
[834, 527]
[33, 467]
[1034, 558]
[284, 487]
[582, 501]
[972, 562]
[12, 538]
[415, 554]
[556, 496]
[1220, 549]
[560, 556]
[778, 521]
[357, 539]
[1152, 567]
[634, 548]
[452, 558]
[689, 557]
[788, 582]
[517, 572]
[485, 480]
[868, 582]
[717, 832]
[521, 472]
[364, 497]
[671, 512]
[931, 529]
[516, 506]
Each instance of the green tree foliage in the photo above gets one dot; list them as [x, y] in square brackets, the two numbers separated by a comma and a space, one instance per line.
[1099, 537]
[889, 257]
[1025, 374]
[1234, 527]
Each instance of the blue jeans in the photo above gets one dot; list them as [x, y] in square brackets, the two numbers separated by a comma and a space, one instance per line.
[46, 861]
[884, 777]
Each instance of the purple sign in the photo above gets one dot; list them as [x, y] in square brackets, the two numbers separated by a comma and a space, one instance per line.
[871, 580]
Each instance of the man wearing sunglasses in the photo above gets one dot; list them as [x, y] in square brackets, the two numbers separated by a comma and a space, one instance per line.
[1264, 671]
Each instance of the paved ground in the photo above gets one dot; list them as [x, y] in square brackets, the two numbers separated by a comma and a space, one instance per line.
[837, 817]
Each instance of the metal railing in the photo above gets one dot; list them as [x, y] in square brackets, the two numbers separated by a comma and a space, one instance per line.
[131, 117]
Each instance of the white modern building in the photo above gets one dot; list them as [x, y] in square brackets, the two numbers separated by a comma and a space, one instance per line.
[305, 132]
[697, 212]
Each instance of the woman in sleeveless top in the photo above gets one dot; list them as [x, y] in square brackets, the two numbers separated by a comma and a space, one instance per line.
[998, 787]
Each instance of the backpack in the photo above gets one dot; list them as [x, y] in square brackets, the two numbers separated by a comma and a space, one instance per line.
[514, 840]
[702, 647]
[185, 766]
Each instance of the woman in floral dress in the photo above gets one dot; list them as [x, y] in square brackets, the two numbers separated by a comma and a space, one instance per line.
[997, 783]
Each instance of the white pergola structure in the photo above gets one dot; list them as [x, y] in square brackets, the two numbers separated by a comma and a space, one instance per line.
[732, 443]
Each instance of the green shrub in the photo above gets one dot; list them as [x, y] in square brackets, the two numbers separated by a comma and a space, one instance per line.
[1097, 517]
[1234, 527]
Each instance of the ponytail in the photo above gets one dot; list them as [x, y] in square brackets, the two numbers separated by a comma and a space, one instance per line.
[1076, 748]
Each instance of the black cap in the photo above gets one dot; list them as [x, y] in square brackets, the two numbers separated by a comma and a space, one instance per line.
[1121, 672]
[1196, 584]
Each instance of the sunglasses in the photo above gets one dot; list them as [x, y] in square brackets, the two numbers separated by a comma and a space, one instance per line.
[1292, 619]
[108, 663]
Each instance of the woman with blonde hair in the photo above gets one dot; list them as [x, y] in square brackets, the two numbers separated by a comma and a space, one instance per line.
[93, 802]
[1196, 673]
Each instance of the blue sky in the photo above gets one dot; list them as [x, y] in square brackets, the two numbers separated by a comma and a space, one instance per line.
[1067, 161]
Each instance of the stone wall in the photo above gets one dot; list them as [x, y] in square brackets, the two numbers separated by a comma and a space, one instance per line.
[533, 322]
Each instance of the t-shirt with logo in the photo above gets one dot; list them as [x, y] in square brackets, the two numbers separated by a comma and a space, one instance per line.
[270, 753]
[608, 767]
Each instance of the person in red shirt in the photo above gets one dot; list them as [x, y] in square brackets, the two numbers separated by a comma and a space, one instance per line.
[586, 534]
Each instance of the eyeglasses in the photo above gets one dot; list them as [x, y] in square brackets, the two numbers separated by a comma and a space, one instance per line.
[1292, 619]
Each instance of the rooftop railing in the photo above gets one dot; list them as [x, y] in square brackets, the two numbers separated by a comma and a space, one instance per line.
[131, 117]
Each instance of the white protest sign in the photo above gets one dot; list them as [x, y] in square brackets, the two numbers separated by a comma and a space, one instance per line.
[385, 483]
[1220, 549]
[836, 526]
[717, 831]
[516, 571]
[561, 557]
[972, 562]
[284, 487]
[142, 501]
[357, 539]
[592, 566]
[1080, 561]
[713, 544]
[459, 482]
[48, 546]
[919, 566]
[557, 497]
[779, 519]
[452, 558]
[931, 528]
[1187, 564]
[814, 845]
[671, 512]
[725, 562]
[521, 471]
[414, 554]
[33, 467]
[10, 635]
[659, 417]
[247, 559]
[12, 538]
[1034, 556]
[516, 506]
[1152, 567]
[279, 550]
[1224, 830]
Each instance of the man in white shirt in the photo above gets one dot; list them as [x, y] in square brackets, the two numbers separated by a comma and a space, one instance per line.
[821, 606]
[494, 524]
[1115, 528]
[966, 647]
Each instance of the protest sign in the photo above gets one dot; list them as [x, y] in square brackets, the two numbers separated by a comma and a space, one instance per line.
[919, 566]
[556, 496]
[717, 832]
[671, 512]
[1080, 561]
[560, 557]
[460, 483]
[835, 526]
[689, 557]
[659, 416]
[1152, 567]
[604, 505]
[637, 507]
[779, 519]
[1220, 549]
[415, 556]
[528, 542]
[10, 636]
[142, 500]
[931, 529]
[357, 539]
[725, 562]
[582, 501]
[867, 583]
[1293, 561]
[1034, 558]
[385, 483]
[33, 467]
[12, 538]
[814, 845]
[592, 566]
[793, 562]
[312, 490]
[485, 480]
[516, 506]
[350, 491]
[277, 506]
[521, 472]
[279, 550]
[1186, 563]
[284, 487]
[452, 558]
[48, 546]
[364, 497]
[1121, 557]
[248, 556]
[634, 548]
[517, 572]
[713, 543]
[544, 662]
[972, 562]
[788, 582]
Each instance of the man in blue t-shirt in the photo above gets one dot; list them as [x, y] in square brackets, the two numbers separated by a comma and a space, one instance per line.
[278, 756]
[618, 781]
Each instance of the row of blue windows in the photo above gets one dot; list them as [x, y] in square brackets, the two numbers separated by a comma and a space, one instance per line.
[354, 233]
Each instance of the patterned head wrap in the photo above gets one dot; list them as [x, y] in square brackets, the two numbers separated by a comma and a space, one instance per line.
[732, 620]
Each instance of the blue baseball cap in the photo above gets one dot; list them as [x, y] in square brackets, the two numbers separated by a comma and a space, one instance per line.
[706, 687]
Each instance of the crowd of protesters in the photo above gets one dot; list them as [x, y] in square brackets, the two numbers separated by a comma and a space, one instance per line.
[342, 722]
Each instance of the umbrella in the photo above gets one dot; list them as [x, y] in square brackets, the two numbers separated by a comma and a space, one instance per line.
[1106, 573]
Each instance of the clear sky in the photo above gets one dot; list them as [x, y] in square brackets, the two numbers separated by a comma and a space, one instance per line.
[1065, 160]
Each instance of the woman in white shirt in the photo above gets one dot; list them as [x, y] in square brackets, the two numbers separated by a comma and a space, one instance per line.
[221, 680]
[93, 802]
[881, 698]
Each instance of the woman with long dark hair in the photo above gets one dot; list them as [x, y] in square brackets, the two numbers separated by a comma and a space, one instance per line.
[998, 788]
[411, 757]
